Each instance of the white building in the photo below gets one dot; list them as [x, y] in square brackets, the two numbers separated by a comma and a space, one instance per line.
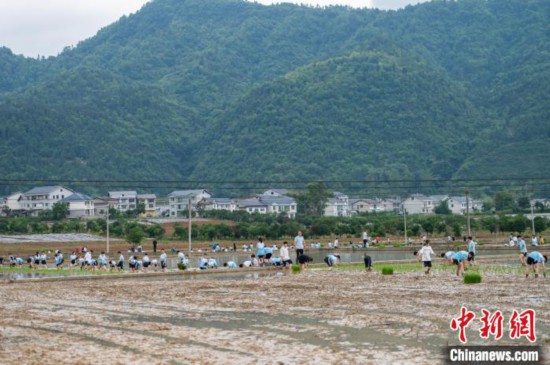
[275, 192]
[280, 204]
[179, 199]
[457, 205]
[12, 203]
[80, 205]
[102, 205]
[252, 205]
[418, 204]
[338, 206]
[360, 205]
[43, 198]
[127, 200]
[149, 202]
[217, 204]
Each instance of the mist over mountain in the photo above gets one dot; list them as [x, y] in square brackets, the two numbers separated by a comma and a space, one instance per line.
[232, 90]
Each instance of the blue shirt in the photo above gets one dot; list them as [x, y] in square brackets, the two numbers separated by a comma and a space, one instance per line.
[276, 260]
[460, 256]
[449, 255]
[537, 256]
[522, 246]
[268, 250]
[332, 259]
[260, 251]
[203, 263]
[212, 262]
[231, 265]
[472, 246]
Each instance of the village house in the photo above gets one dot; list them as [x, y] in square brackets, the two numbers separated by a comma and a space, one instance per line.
[127, 200]
[280, 204]
[179, 200]
[102, 205]
[11, 204]
[217, 204]
[80, 205]
[148, 201]
[43, 198]
[360, 205]
[338, 206]
[275, 192]
[418, 204]
[252, 205]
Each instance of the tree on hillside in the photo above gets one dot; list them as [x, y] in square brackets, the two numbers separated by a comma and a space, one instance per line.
[504, 200]
[524, 202]
[442, 208]
[313, 201]
[135, 235]
[60, 210]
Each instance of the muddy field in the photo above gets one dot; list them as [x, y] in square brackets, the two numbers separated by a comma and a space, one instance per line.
[316, 317]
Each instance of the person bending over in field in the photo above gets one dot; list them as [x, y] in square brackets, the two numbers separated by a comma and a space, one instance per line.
[304, 260]
[332, 260]
[536, 260]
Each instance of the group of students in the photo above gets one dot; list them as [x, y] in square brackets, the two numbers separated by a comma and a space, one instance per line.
[87, 261]
[534, 261]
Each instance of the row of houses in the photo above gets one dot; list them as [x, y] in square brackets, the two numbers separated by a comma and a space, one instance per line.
[32, 202]
[273, 201]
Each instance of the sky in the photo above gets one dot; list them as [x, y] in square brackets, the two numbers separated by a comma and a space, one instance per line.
[45, 27]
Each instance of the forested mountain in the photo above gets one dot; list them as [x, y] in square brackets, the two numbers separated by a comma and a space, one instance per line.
[227, 89]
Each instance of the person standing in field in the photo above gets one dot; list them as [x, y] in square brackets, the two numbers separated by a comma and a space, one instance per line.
[522, 250]
[425, 254]
[285, 255]
[260, 250]
[471, 251]
[365, 239]
[299, 244]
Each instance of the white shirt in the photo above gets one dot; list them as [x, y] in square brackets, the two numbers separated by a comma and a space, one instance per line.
[365, 235]
[260, 245]
[88, 257]
[247, 263]
[284, 254]
[299, 241]
[426, 253]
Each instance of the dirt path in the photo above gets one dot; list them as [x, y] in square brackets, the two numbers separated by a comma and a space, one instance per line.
[318, 317]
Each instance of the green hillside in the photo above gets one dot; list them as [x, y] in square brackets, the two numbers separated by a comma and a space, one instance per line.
[361, 116]
[227, 89]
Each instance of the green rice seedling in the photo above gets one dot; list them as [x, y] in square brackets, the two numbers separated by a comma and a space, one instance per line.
[387, 270]
[296, 268]
[472, 278]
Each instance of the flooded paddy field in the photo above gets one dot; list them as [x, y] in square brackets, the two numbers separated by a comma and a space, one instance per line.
[315, 317]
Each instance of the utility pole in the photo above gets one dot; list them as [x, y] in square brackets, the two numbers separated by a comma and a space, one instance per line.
[190, 226]
[468, 212]
[107, 229]
[533, 221]
[405, 224]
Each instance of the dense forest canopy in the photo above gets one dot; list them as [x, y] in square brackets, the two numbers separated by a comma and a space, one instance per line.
[232, 90]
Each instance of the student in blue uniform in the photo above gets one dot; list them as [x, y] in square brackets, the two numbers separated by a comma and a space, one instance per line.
[471, 250]
[536, 260]
[276, 261]
[163, 260]
[230, 265]
[212, 263]
[459, 259]
[522, 250]
[332, 260]
[120, 264]
[203, 263]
